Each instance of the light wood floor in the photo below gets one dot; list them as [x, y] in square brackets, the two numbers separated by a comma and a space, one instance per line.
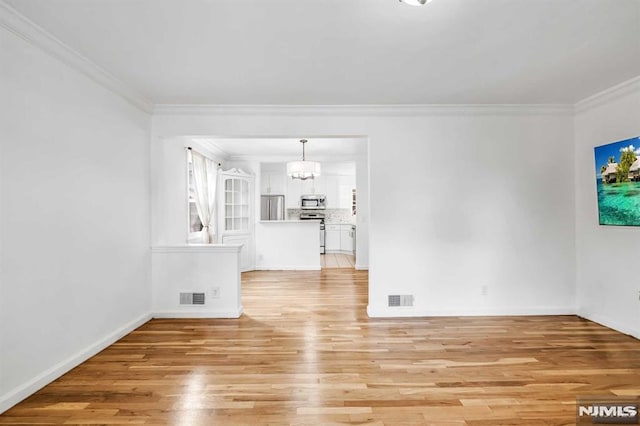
[305, 352]
[337, 260]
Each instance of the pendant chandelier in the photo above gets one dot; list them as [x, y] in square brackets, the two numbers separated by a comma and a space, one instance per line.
[304, 169]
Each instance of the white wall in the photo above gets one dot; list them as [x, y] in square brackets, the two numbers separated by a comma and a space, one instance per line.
[362, 214]
[607, 256]
[169, 206]
[459, 199]
[210, 269]
[75, 264]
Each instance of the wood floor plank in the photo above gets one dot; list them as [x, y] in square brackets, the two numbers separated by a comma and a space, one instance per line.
[305, 352]
[337, 260]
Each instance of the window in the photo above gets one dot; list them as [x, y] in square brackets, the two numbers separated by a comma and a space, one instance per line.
[202, 176]
[195, 224]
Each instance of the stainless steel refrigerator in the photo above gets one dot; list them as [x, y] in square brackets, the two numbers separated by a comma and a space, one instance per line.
[272, 207]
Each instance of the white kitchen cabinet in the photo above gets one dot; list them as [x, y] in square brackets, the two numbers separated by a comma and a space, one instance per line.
[318, 185]
[236, 211]
[265, 186]
[339, 238]
[273, 183]
[338, 189]
[331, 190]
[346, 238]
[346, 185]
[332, 238]
[235, 218]
[306, 186]
[313, 186]
[294, 190]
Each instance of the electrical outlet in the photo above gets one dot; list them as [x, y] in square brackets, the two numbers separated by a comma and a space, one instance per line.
[484, 290]
[215, 292]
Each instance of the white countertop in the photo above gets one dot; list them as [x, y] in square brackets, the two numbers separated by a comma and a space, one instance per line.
[307, 221]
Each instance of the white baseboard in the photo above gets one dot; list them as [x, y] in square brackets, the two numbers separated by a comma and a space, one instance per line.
[397, 312]
[362, 267]
[19, 393]
[612, 324]
[215, 313]
[288, 268]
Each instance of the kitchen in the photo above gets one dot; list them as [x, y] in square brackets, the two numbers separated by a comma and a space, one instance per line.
[313, 222]
[328, 199]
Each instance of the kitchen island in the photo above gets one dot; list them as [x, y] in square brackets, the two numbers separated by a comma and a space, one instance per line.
[288, 245]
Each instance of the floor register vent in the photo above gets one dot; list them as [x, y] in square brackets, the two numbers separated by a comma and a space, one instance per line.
[192, 298]
[401, 300]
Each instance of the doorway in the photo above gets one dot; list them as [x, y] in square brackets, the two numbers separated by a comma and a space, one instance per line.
[344, 161]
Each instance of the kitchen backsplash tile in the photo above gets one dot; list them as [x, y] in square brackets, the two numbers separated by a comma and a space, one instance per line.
[330, 215]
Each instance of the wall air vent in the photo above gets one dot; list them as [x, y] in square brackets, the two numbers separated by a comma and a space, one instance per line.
[401, 300]
[192, 298]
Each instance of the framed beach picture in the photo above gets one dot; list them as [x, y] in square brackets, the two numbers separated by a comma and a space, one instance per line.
[618, 182]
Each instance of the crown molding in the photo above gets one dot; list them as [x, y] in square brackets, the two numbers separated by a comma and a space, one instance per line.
[625, 88]
[21, 26]
[24, 28]
[363, 110]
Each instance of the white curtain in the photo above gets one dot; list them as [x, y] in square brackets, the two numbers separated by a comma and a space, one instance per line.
[205, 175]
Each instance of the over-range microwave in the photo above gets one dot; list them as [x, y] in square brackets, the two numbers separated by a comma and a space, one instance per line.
[313, 201]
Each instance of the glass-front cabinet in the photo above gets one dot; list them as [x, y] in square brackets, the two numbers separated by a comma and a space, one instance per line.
[235, 216]
[236, 204]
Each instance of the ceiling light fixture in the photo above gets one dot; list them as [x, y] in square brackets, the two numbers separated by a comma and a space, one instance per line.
[304, 169]
[415, 2]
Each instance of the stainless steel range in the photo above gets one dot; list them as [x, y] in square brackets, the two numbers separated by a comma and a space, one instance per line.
[320, 217]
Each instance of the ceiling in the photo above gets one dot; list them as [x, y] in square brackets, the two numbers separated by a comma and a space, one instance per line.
[270, 149]
[346, 52]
